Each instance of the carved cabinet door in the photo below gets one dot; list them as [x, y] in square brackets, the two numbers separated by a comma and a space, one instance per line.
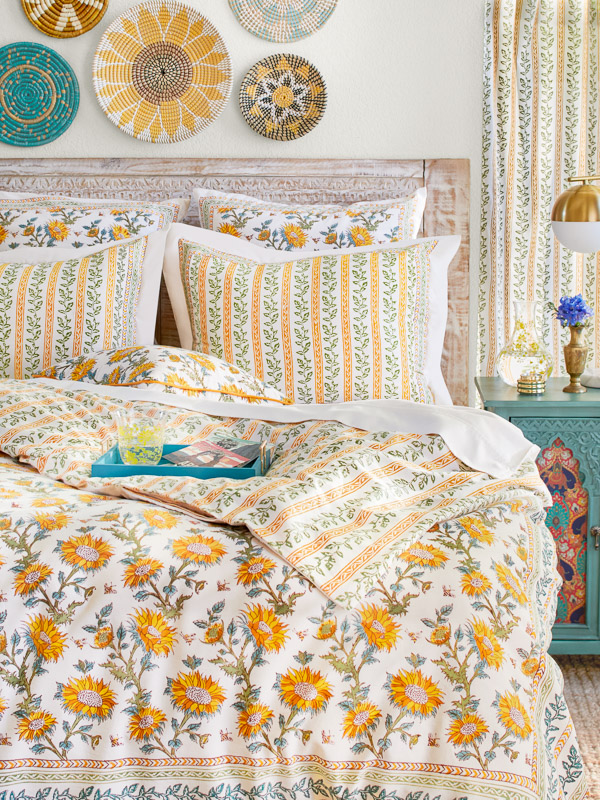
[569, 463]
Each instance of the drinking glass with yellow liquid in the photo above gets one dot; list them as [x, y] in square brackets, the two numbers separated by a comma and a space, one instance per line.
[141, 436]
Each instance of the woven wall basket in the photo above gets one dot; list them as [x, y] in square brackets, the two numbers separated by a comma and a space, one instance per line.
[162, 72]
[39, 94]
[282, 20]
[64, 18]
[283, 97]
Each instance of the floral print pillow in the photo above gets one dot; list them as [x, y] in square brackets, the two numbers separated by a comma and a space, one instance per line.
[168, 369]
[68, 222]
[311, 227]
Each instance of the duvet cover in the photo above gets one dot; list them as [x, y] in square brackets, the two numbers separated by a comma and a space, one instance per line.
[368, 620]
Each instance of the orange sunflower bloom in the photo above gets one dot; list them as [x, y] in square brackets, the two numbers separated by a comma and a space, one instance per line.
[468, 728]
[424, 555]
[487, 644]
[254, 570]
[46, 638]
[31, 577]
[360, 719]
[82, 369]
[103, 637]
[264, 234]
[4, 233]
[88, 696]
[52, 522]
[379, 627]
[155, 634]
[253, 719]
[197, 694]
[304, 689]
[86, 552]
[266, 628]
[159, 518]
[228, 228]
[145, 722]
[198, 548]
[510, 583]
[415, 692]
[475, 583]
[326, 629]
[530, 666]
[35, 725]
[141, 571]
[119, 232]
[3, 706]
[360, 236]
[477, 530]
[514, 717]
[57, 230]
[2, 642]
[294, 235]
[46, 502]
[440, 635]
[214, 632]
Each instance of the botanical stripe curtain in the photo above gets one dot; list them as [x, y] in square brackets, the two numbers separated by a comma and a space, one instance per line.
[541, 125]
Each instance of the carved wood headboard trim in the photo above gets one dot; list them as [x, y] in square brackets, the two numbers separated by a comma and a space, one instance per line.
[299, 180]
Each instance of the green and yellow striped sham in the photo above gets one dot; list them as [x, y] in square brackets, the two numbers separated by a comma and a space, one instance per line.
[55, 309]
[324, 327]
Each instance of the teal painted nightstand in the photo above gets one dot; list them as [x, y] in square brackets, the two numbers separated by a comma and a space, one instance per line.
[567, 428]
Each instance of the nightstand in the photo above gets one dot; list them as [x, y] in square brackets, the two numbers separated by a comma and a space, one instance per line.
[567, 428]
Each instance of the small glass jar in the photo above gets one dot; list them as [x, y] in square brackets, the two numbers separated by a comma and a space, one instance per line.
[524, 353]
[141, 436]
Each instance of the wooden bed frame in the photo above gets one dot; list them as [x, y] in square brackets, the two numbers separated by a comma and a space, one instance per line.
[294, 180]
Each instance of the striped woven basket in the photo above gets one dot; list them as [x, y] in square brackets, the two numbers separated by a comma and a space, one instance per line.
[162, 72]
[282, 20]
[64, 19]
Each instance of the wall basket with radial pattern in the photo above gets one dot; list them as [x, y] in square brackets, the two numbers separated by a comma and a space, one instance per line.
[64, 19]
[162, 72]
[39, 94]
[282, 20]
[283, 97]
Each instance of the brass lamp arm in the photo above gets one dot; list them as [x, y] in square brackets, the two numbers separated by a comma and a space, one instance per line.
[583, 179]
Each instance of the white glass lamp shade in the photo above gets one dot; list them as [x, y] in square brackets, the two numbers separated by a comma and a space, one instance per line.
[582, 237]
[576, 218]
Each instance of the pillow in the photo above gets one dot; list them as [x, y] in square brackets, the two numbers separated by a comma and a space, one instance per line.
[166, 369]
[53, 309]
[323, 327]
[45, 221]
[293, 227]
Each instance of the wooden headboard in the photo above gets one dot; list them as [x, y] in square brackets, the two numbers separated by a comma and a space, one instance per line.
[299, 180]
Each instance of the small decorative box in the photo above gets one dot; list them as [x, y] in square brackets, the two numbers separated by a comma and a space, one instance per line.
[531, 383]
[110, 466]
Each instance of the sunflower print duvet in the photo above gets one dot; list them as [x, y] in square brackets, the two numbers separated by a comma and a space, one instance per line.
[168, 649]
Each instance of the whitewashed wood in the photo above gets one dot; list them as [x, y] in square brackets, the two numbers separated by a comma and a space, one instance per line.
[288, 180]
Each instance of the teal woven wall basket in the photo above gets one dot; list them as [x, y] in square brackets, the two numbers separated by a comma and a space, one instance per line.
[39, 94]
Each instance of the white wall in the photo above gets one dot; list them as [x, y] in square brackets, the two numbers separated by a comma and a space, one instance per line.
[403, 76]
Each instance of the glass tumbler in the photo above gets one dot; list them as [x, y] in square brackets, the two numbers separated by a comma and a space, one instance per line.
[141, 436]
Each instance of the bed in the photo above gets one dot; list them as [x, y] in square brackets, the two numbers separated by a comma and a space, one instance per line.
[370, 619]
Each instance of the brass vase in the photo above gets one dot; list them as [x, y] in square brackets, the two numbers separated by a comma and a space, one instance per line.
[576, 353]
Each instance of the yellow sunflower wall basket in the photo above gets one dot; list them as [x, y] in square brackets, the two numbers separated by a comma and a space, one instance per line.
[162, 72]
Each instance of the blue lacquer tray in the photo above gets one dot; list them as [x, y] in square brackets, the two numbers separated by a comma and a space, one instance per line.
[110, 466]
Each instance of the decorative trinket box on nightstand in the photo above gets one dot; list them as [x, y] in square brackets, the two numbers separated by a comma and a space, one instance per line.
[567, 428]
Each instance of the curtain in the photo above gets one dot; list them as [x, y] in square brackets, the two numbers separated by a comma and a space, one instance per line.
[541, 125]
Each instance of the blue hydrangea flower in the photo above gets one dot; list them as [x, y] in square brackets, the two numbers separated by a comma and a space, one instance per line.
[573, 311]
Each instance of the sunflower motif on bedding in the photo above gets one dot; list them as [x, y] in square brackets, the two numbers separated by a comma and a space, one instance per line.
[67, 222]
[311, 227]
[166, 369]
